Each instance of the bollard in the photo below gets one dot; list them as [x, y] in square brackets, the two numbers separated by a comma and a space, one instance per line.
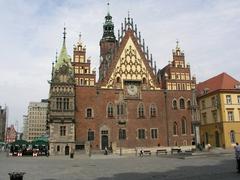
[16, 175]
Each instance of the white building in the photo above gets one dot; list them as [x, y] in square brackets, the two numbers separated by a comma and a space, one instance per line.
[25, 127]
[36, 119]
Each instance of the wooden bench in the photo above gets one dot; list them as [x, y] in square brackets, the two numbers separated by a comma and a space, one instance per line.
[161, 151]
[177, 150]
[145, 152]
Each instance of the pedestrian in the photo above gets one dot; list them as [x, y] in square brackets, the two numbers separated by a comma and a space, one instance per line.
[141, 153]
[105, 151]
[237, 154]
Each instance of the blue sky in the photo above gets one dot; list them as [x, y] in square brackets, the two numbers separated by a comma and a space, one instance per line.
[31, 33]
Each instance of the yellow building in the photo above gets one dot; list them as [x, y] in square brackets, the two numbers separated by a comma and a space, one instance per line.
[219, 107]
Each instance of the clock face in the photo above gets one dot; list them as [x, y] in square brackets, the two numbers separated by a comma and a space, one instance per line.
[132, 90]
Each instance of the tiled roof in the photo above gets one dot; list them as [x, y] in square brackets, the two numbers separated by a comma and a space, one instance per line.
[222, 81]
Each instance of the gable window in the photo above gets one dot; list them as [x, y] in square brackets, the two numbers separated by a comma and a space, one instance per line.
[110, 110]
[89, 113]
[153, 111]
[122, 134]
[154, 133]
[228, 99]
[184, 126]
[175, 128]
[141, 133]
[62, 130]
[140, 110]
[174, 104]
[182, 103]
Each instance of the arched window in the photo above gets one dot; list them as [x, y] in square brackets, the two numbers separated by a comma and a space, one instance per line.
[144, 81]
[175, 128]
[182, 103]
[118, 80]
[89, 113]
[232, 136]
[189, 104]
[174, 104]
[110, 110]
[184, 126]
[153, 111]
[140, 110]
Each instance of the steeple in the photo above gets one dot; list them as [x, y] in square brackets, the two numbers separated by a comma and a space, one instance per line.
[108, 28]
[63, 57]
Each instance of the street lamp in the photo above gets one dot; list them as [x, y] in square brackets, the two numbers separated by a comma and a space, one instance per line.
[121, 123]
[166, 115]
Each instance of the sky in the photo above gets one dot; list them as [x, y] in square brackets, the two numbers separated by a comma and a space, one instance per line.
[31, 32]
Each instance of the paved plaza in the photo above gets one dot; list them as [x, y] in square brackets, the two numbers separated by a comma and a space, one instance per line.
[127, 167]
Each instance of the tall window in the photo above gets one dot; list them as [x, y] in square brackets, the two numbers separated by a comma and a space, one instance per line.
[230, 116]
[65, 103]
[153, 110]
[62, 130]
[175, 128]
[110, 110]
[232, 136]
[184, 126]
[90, 135]
[59, 103]
[89, 113]
[213, 99]
[141, 133]
[228, 99]
[58, 148]
[174, 104]
[120, 109]
[238, 99]
[122, 134]
[182, 103]
[140, 110]
[154, 133]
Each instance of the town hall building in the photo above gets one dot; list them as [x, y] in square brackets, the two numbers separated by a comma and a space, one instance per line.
[132, 104]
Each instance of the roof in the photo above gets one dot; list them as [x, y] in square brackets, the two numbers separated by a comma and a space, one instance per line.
[222, 81]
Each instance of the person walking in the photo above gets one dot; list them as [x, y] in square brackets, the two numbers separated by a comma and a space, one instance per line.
[237, 153]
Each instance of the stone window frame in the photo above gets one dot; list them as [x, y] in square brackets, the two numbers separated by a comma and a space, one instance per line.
[86, 113]
[138, 133]
[182, 103]
[151, 131]
[175, 128]
[174, 104]
[121, 135]
[140, 110]
[232, 136]
[153, 110]
[63, 130]
[228, 99]
[110, 110]
[189, 104]
[183, 126]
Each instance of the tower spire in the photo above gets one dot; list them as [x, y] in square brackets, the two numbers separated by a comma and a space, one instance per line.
[64, 36]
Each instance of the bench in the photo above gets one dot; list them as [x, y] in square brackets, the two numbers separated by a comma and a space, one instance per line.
[145, 152]
[177, 150]
[161, 151]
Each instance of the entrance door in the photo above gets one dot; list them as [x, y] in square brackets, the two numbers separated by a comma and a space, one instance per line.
[104, 141]
[217, 139]
[66, 150]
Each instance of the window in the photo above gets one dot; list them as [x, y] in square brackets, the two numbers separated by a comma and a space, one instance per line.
[228, 99]
[153, 111]
[140, 110]
[175, 128]
[182, 103]
[214, 115]
[62, 130]
[144, 81]
[213, 101]
[174, 104]
[90, 135]
[141, 133]
[230, 116]
[118, 80]
[59, 103]
[232, 136]
[120, 109]
[110, 110]
[89, 113]
[122, 134]
[184, 126]
[154, 133]
[238, 99]
[65, 103]
[58, 148]
[203, 104]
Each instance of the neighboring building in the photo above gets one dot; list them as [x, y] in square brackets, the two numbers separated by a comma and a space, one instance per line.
[61, 121]
[36, 120]
[131, 105]
[219, 103]
[3, 119]
[25, 128]
[11, 134]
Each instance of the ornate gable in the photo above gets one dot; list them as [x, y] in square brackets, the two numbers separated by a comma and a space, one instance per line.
[131, 63]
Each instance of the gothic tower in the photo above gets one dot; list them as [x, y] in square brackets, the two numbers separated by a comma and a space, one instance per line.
[61, 116]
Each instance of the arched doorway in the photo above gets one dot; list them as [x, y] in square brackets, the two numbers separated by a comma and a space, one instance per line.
[104, 141]
[67, 150]
[104, 137]
[217, 140]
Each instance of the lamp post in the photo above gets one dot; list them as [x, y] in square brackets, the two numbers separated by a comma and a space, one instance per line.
[121, 123]
[166, 114]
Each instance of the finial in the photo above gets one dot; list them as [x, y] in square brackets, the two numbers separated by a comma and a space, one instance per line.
[128, 14]
[108, 7]
[56, 57]
[80, 37]
[64, 33]
[177, 45]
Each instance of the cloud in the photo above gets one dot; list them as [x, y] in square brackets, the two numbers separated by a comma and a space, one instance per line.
[31, 32]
